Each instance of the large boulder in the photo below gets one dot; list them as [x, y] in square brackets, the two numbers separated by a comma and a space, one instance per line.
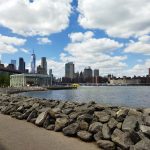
[146, 111]
[84, 135]
[83, 125]
[121, 139]
[106, 145]
[134, 112]
[41, 118]
[142, 145]
[32, 115]
[85, 117]
[147, 120]
[102, 116]
[112, 123]
[61, 123]
[130, 123]
[121, 114]
[98, 136]
[95, 127]
[71, 130]
[106, 131]
[145, 130]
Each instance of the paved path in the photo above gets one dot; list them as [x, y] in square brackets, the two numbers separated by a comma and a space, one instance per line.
[21, 135]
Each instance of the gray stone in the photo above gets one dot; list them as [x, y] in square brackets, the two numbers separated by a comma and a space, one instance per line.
[21, 109]
[146, 111]
[51, 127]
[85, 117]
[98, 136]
[135, 137]
[102, 116]
[41, 118]
[71, 130]
[134, 112]
[67, 111]
[119, 125]
[95, 127]
[83, 125]
[100, 107]
[121, 114]
[130, 123]
[106, 145]
[46, 121]
[142, 145]
[121, 139]
[112, 123]
[106, 131]
[85, 135]
[33, 114]
[147, 120]
[145, 130]
[61, 123]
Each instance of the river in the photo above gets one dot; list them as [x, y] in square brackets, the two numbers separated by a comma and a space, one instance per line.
[133, 96]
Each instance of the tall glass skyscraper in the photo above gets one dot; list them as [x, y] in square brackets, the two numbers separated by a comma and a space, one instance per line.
[33, 63]
[69, 70]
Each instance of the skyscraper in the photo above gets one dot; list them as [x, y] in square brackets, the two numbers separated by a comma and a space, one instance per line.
[21, 65]
[88, 72]
[33, 63]
[69, 70]
[96, 72]
[44, 65]
[14, 63]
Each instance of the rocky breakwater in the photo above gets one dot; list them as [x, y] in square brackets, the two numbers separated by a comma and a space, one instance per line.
[112, 128]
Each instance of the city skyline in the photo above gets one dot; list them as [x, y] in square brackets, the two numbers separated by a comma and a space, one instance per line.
[119, 46]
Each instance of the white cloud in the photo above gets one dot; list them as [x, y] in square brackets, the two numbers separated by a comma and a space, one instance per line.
[10, 44]
[119, 18]
[44, 40]
[25, 50]
[95, 52]
[42, 17]
[141, 46]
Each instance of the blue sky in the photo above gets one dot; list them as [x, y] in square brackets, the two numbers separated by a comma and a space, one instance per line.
[88, 32]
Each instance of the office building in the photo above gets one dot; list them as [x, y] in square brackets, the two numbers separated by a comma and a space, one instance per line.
[44, 65]
[33, 63]
[69, 70]
[96, 72]
[11, 67]
[88, 72]
[21, 67]
[14, 63]
[21, 80]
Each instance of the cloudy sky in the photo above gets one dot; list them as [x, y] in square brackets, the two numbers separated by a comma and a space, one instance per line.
[113, 36]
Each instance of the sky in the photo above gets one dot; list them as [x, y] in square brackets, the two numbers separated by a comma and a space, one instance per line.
[112, 36]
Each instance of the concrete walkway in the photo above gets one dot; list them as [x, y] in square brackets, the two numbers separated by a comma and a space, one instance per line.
[21, 135]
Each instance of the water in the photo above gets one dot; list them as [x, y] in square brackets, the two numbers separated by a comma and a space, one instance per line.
[134, 96]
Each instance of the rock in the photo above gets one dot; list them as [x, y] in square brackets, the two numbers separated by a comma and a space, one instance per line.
[41, 118]
[33, 114]
[98, 136]
[85, 117]
[26, 113]
[67, 111]
[85, 135]
[61, 123]
[142, 145]
[135, 137]
[121, 139]
[146, 111]
[106, 145]
[145, 130]
[121, 114]
[106, 131]
[102, 116]
[51, 127]
[147, 120]
[112, 123]
[16, 115]
[95, 127]
[134, 112]
[130, 123]
[119, 125]
[33, 120]
[83, 125]
[35, 105]
[71, 130]
[47, 121]
[99, 107]
[21, 109]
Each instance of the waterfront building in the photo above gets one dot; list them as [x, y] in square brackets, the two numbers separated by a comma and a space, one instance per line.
[88, 72]
[69, 70]
[44, 65]
[14, 63]
[96, 72]
[21, 80]
[33, 63]
[11, 67]
[21, 67]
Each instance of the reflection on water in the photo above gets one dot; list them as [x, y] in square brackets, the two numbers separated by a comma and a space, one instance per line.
[135, 96]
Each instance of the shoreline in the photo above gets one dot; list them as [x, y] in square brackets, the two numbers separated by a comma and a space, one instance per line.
[111, 127]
